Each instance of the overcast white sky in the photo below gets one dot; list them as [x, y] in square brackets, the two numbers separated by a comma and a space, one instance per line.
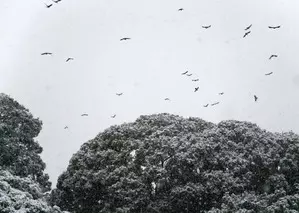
[148, 67]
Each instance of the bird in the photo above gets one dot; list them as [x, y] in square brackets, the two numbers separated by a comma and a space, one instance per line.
[270, 73]
[66, 127]
[206, 27]
[206, 105]
[84, 114]
[46, 53]
[167, 99]
[246, 34]
[48, 6]
[184, 73]
[195, 79]
[272, 56]
[214, 103]
[69, 59]
[255, 98]
[221, 93]
[56, 1]
[247, 28]
[196, 89]
[181, 9]
[113, 116]
[275, 27]
[119, 94]
[189, 74]
[125, 38]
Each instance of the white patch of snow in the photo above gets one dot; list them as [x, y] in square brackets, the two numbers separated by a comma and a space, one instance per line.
[154, 185]
[143, 167]
[133, 154]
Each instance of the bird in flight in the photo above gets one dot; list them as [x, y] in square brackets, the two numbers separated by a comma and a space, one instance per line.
[270, 73]
[221, 93]
[255, 98]
[196, 89]
[123, 39]
[214, 103]
[119, 94]
[113, 116]
[189, 74]
[273, 56]
[206, 105]
[84, 114]
[206, 27]
[69, 59]
[247, 28]
[46, 53]
[181, 9]
[167, 99]
[246, 34]
[195, 79]
[66, 127]
[48, 6]
[56, 1]
[184, 73]
[275, 27]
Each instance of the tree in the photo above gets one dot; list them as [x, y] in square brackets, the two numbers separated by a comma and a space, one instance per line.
[165, 163]
[19, 194]
[19, 152]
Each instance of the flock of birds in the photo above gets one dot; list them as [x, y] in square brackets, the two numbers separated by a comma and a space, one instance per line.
[186, 73]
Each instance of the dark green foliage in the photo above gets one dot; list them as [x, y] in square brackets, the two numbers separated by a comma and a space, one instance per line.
[19, 152]
[165, 163]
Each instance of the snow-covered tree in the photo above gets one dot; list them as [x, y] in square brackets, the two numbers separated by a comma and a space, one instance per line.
[165, 163]
[19, 152]
[24, 188]
[22, 195]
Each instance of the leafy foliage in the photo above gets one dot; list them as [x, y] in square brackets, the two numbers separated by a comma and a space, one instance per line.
[19, 152]
[165, 163]
[22, 195]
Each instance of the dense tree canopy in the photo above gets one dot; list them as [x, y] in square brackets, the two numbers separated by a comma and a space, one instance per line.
[24, 188]
[165, 163]
[22, 195]
[19, 152]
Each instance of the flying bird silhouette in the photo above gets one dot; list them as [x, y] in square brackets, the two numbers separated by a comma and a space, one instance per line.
[246, 34]
[124, 39]
[46, 53]
[167, 99]
[247, 28]
[221, 93]
[214, 103]
[66, 127]
[181, 9]
[206, 105]
[113, 116]
[184, 73]
[255, 98]
[206, 27]
[196, 89]
[273, 56]
[275, 27]
[69, 59]
[195, 79]
[119, 94]
[270, 73]
[56, 1]
[189, 74]
[48, 6]
[84, 114]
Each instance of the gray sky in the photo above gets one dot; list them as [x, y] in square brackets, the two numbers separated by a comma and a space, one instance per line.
[148, 67]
